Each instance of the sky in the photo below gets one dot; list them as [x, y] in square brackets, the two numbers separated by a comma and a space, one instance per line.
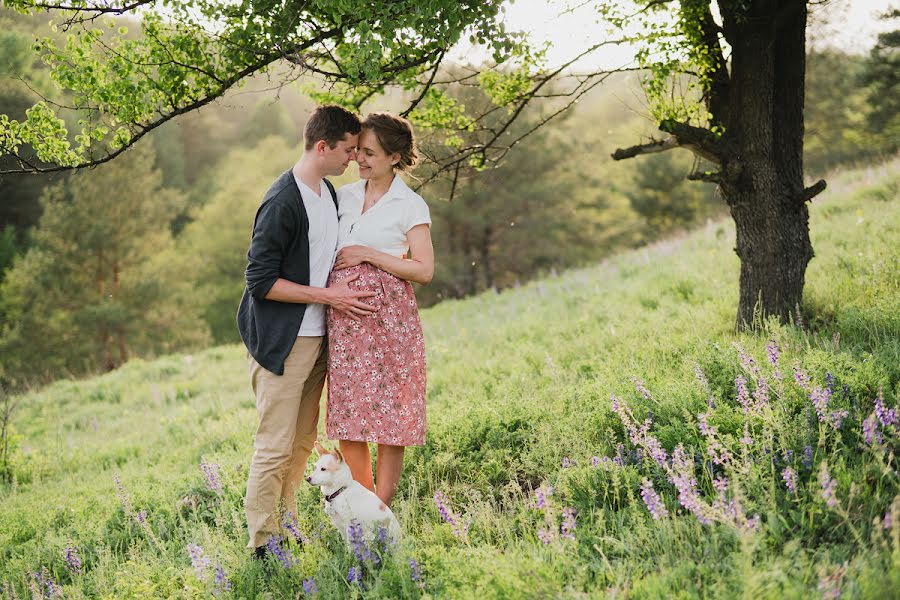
[850, 25]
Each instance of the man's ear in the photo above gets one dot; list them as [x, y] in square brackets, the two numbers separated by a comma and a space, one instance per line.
[320, 448]
[321, 146]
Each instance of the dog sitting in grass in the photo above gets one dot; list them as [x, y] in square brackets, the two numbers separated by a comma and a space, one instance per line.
[348, 502]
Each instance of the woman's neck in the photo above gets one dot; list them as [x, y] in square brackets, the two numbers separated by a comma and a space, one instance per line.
[379, 187]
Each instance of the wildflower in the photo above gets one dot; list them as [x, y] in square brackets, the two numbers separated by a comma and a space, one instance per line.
[595, 461]
[73, 560]
[682, 477]
[620, 455]
[289, 523]
[415, 574]
[790, 479]
[566, 463]
[773, 353]
[717, 452]
[870, 430]
[701, 377]
[746, 440]
[141, 517]
[747, 361]
[211, 473]
[887, 417]
[199, 560]
[807, 457]
[124, 498]
[220, 580]
[354, 575]
[888, 521]
[743, 395]
[639, 386]
[567, 529]
[545, 535]
[830, 585]
[310, 587]
[540, 497]
[47, 587]
[820, 398]
[459, 528]
[828, 486]
[802, 378]
[276, 549]
[788, 456]
[761, 395]
[837, 418]
[653, 501]
[358, 541]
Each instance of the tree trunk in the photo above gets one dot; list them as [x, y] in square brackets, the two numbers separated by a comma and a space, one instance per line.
[762, 170]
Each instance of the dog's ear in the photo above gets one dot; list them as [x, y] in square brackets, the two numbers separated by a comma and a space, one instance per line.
[320, 448]
[338, 455]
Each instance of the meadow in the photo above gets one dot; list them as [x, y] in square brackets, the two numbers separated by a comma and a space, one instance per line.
[600, 432]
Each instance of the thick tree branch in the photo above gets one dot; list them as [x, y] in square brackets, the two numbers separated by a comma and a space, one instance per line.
[813, 190]
[649, 148]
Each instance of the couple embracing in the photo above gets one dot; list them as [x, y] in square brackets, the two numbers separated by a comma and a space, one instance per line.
[329, 294]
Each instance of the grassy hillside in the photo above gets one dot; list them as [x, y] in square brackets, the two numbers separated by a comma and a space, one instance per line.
[109, 470]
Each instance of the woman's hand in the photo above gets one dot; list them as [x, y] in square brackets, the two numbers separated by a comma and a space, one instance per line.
[350, 256]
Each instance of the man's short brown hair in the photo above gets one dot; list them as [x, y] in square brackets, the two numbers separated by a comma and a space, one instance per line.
[330, 123]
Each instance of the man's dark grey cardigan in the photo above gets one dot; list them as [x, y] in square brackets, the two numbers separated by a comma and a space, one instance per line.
[279, 248]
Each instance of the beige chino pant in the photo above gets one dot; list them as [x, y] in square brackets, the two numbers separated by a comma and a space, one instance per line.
[288, 407]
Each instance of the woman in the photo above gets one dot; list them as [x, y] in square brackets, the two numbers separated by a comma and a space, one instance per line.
[376, 364]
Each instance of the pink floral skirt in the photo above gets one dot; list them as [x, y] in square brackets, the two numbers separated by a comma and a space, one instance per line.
[376, 366]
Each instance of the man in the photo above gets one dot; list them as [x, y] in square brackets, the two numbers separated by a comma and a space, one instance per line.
[282, 315]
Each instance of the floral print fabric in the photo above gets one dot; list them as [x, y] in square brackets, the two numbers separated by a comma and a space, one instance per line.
[376, 366]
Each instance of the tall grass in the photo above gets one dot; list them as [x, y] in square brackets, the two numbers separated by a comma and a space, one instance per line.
[602, 432]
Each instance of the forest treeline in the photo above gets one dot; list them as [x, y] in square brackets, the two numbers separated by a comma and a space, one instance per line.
[145, 255]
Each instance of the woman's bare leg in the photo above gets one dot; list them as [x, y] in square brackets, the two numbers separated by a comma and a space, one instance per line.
[359, 460]
[388, 467]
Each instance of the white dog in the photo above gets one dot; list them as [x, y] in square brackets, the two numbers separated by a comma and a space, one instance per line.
[347, 500]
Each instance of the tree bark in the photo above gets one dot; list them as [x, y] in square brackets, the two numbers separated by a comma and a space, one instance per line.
[762, 166]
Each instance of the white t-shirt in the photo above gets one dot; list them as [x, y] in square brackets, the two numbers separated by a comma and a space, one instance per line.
[385, 225]
[323, 235]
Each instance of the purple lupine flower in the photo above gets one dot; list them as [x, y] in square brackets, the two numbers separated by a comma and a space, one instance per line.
[790, 479]
[383, 538]
[808, 457]
[211, 474]
[761, 395]
[720, 484]
[567, 529]
[221, 582]
[639, 386]
[354, 575]
[619, 459]
[289, 523]
[199, 560]
[73, 560]
[595, 461]
[746, 440]
[358, 541]
[141, 516]
[682, 477]
[545, 535]
[566, 463]
[802, 378]
[653, 501]
[277, 549]
[870, 430]
[747, 361]
[772, 352]
[820, 398]
[46, 584]
[415, 574]
[887, 417]
[888, 521]
[743, 394]
[309, 587]
[828, 486]
[837, 418]
[788, 456]
[459, 528]
[124, 498]
[701, 377]
[540, 497]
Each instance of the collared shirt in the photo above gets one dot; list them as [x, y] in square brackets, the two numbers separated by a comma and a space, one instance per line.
[385, 225]
[323, 235]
